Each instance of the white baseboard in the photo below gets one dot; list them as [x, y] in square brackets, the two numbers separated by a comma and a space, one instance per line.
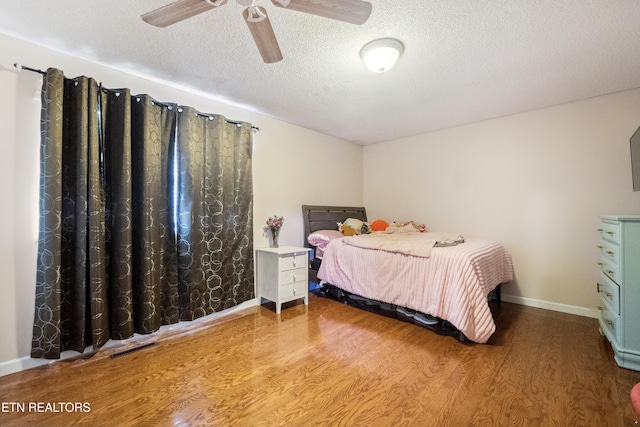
[553, 306]
[26, 362]
[17, 365]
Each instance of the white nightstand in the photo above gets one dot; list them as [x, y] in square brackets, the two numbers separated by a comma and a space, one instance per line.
[283, 274]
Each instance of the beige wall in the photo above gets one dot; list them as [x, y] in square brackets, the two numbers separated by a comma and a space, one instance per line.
[285, 171]
[535, 181]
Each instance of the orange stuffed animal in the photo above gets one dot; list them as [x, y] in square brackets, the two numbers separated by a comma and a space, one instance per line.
[379, 225]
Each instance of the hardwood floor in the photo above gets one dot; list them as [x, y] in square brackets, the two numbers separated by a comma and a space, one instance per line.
[330, 364]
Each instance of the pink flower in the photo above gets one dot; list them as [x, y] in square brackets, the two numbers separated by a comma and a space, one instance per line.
[275, 222]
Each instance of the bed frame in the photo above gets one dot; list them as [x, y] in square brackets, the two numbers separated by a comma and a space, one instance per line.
[326, 217]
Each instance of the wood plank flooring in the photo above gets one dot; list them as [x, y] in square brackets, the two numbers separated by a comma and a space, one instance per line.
[328, 364]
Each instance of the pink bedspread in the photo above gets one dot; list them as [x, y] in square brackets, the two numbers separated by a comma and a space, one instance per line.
[452, 284]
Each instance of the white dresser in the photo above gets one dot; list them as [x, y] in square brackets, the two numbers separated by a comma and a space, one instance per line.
[283, 274]
[619, 286]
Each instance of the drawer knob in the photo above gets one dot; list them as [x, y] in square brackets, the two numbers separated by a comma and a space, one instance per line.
[294, 277]
[610, 271]
[599, 307]
[609, 294]
[294, 262]
[610, 322]
[294, 291]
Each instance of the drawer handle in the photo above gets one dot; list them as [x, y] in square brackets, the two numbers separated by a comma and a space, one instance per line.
[600, 247]
[610, 252]
[294, 291]
[599, 307]
[294, 277]
[610, 322]
[610, 271]
[598, 286]
[609, 294]
[610, 233]
[600, 229]
[294, 262]
[600, 264]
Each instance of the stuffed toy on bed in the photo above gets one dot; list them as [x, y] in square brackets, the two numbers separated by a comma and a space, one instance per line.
[411, 225]
[379, 225]
[354, 226]
[347, 230]
[420, 227]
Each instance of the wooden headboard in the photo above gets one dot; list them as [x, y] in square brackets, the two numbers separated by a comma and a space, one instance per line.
[326, 217]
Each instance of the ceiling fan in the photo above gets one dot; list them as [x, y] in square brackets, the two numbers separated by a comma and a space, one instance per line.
[351, 11]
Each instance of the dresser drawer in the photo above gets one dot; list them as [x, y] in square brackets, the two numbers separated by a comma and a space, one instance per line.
[609, 292]
[610, 269]
[293, 261]
[610, 323]
[610, 251]
[293, 276]
[610, 232]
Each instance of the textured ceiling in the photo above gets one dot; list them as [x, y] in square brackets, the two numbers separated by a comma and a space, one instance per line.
[464, 60]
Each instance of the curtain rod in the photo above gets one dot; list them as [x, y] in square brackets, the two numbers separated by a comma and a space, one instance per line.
[22, 67]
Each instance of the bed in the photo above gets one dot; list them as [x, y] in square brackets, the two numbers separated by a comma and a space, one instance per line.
[446, 289]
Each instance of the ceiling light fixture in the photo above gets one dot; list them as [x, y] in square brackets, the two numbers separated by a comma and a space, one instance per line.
[380, 55]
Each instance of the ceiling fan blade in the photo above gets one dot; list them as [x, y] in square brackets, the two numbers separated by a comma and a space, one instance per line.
[262, 32]
[351, 11]
[179, 11]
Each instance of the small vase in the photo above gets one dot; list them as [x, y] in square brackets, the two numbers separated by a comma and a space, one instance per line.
[274, 237]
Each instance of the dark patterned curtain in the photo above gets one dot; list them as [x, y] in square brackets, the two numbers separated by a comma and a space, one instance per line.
[214, 204]
[111, 260]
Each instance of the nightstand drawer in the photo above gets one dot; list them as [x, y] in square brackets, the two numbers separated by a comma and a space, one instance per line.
[609, 292]
[290, 262]
[292, 290]
[293, 276]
